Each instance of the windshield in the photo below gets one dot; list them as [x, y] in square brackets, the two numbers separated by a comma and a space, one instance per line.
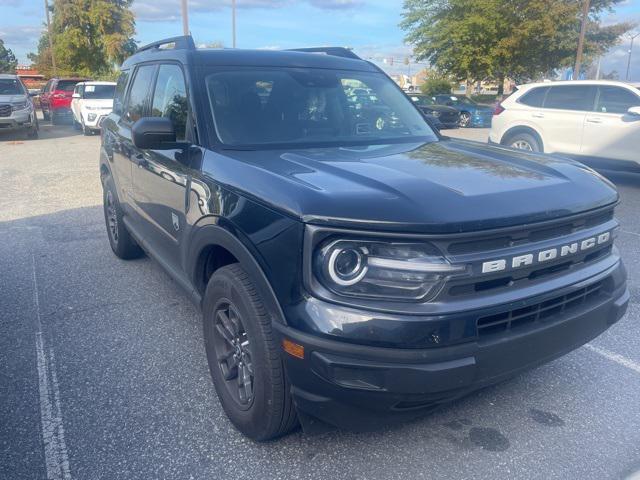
[11, 86]
[99, 91]
[421, 100]
[311, 107]
[67, 85]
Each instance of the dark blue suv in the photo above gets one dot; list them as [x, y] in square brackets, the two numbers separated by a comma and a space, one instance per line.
[351, 265]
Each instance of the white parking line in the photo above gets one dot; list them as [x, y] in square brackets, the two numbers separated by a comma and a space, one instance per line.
[55, 448]
[614, 357]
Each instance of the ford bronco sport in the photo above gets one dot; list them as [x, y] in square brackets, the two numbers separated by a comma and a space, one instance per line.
[352, 265]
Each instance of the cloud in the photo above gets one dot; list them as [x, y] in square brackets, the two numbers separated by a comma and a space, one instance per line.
[20, 35]
[169, 10]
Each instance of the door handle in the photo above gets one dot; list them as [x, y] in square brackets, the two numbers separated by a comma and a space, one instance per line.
[537, 115]
[594, 120]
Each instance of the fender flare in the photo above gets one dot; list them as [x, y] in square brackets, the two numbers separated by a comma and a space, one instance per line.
[208, 235]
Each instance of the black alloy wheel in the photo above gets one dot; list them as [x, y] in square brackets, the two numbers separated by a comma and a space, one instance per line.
[233, 350]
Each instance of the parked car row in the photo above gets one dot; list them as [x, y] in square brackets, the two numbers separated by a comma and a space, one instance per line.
[83, 102]
[450, 111]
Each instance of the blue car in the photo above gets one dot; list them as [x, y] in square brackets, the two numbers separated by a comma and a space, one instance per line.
[472, 114]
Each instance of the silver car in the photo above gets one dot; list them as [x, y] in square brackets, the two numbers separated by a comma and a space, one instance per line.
[16, 107]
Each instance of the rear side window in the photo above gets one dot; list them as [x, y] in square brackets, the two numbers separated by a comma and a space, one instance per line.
[616, 100]
[534, 97]
[121, 88]
[170, 98]
[571, 97]
[142, 83]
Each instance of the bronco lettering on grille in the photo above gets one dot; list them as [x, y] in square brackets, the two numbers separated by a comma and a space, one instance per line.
[541, 256]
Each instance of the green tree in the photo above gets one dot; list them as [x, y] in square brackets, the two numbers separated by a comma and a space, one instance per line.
[435, 85]
[493, 39]
[90, 37]
[8, 62]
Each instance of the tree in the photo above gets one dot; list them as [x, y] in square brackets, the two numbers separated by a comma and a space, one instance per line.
[435, 85]
[475, 40]
[8, 62]
[90, 37]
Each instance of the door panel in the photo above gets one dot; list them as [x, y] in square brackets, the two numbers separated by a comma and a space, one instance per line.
[563, 115]
[161, 178]
[124, 152]
[609, 131]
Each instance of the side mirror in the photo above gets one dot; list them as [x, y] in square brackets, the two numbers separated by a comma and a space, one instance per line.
[154, 133]
[76, 95]
[34, 92]
[634, 111]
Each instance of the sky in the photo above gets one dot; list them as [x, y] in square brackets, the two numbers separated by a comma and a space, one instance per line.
[370, 27]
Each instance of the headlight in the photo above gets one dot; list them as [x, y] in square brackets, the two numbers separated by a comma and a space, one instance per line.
[20, 106]
[388, 270]
[89, 107]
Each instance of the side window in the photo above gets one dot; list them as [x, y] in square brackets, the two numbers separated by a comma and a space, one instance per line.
[616, 100]
[170, 98]
[142, 83]
[571, 97]
[47, 86]
[534, 97]
[121, 88]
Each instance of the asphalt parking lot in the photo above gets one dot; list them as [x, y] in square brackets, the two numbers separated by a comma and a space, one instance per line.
[103, 370]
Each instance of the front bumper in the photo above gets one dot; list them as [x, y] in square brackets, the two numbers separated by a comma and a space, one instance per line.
[360, 387]
[18, 121]
[93, 119]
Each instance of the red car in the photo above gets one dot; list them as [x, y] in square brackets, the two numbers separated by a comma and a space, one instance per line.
[55, 99]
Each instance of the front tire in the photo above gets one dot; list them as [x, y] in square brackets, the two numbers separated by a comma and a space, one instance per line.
[244, 357]
[465, 120]
[121, 241]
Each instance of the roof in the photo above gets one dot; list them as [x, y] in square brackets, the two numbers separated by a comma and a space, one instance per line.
[8, 76]
[579, 82]
[96, 82]
[183, 49]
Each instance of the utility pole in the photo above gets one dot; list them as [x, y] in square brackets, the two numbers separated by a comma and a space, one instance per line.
[185, 18]
[632, 36]
[583, 30]
[53, 57]
[233, 23]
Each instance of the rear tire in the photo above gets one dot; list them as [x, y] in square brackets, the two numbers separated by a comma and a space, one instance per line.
[524, 141]
[245, 358]
[121, 241]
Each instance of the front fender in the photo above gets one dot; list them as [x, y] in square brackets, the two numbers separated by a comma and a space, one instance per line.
[210, 232]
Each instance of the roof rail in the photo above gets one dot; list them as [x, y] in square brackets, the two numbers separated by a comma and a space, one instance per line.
[333, 51]
[180, 43]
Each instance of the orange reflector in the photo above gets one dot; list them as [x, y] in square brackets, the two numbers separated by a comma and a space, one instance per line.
[293, 348]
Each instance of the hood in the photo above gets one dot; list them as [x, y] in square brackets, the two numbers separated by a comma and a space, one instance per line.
[481, 108]
[12, 98]
[440, 187]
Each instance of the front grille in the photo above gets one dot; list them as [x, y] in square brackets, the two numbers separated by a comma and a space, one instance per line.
[540, 312]
[529, 235]
[5, 110]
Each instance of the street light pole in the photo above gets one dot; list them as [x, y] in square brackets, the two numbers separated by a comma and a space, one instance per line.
[632, 36]
[185, 18]
[583, 29]
[233, 23]
[53, 57]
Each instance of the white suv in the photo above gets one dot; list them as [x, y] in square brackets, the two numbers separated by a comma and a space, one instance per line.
[587, 119]
[91, 102]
